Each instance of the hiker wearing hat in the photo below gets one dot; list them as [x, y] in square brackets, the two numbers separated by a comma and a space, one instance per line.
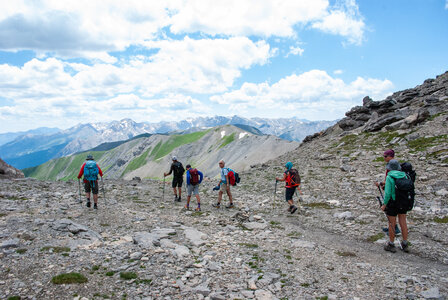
[292, 181]
[194, 179]
[391, 209]
[388, 155]
[178, 172]
[91, 170]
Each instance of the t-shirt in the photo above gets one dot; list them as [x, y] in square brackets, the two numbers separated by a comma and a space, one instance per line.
[224, 173]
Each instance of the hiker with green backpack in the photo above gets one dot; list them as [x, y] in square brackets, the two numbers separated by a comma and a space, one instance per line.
[398, 200]
[90, 170]
[292, 181]
[178, 177]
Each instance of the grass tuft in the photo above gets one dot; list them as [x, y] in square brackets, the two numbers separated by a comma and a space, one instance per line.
[69, 278]
[128, 275]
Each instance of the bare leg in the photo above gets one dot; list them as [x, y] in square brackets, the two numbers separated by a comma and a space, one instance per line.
[180, 191]
[403, 226]
[197, 198]
[230, 196]
[188, 201]
[95, 198]
[219, 196]
[392, 222]
[175, 192]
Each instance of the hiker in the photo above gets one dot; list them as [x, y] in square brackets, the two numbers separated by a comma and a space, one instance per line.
[292, 181]
[178, 172]
[91, 170]
[391, 209]
[388, 155]
[224, 184]
[194, 179]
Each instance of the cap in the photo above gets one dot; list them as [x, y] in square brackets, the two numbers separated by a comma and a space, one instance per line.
[174, 158]
[393, 165]
[389, 152]
[89, 157]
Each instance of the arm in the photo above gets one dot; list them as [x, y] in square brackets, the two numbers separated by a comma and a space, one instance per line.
[81, 172]
[188, 177]
[389, 190]
[99, 170]
[201, 176]
[281, 179]
[169, 173]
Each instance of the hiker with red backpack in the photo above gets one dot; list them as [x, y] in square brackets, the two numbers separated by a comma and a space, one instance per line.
[292, 181]
[224, 184]
[90, 169]
[178, 177]
[194, 179]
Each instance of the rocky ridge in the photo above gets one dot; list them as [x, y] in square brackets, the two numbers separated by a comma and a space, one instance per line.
[142, 245]
[7, 171]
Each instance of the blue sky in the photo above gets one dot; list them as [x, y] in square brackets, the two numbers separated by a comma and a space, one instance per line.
[64, 63]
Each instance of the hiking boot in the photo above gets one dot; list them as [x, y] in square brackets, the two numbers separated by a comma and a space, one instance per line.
[230, 205]
[95, 206]
[289, 208]
[198, 209]
[187, 207]
[390, 247]
[175, 198]
[293, 209]
[88, 204]
[405, 246]
[217, 205]
[179, 200]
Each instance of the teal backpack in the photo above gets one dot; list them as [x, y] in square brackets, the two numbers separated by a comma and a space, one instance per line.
[91, 171]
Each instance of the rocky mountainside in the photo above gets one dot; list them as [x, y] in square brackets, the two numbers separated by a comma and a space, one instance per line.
[150, 157]
[34, 147]
[10, 136]
[140, 244]
[7, 171]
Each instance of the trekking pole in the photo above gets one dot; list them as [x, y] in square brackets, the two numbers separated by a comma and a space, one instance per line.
[275, 192]
[104, 192]
[163, 193]
[79, 188]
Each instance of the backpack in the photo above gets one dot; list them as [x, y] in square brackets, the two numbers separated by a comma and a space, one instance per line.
[91, 171]
[178, 169]
[404, 193]
[234, 177]
[194, 176]
[407, 168]
[293, 178]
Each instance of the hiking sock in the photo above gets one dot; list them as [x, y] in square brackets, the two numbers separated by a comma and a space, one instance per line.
[199, 205]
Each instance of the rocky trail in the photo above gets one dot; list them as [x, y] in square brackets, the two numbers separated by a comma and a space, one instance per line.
[136, 246]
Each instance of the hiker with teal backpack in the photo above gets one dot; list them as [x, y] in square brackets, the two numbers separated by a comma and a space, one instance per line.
[228, 178]
[194, 179]
[398, 200]
[292, 181]
[91, 170]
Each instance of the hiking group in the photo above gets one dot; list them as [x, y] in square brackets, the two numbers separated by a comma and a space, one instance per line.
[398, 199]
[398, 187]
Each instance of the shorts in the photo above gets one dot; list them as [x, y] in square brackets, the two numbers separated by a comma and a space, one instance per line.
[177, 182]
[289, 193]
[223, 187]
[394, 211]
[192, 189]
[87, 187]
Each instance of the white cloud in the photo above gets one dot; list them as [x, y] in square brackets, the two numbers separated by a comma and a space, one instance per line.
[338, 72]
[344, 20]
[91, 29]
[295, 51]
[446, 4]
[313, 94]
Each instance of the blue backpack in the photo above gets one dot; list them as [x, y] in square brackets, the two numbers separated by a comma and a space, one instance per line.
[91, 170]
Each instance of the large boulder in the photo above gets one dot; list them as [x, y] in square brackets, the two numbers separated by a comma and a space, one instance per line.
[8, 172]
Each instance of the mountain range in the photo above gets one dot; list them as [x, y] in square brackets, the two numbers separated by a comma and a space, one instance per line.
[32, 149]
[149, 156]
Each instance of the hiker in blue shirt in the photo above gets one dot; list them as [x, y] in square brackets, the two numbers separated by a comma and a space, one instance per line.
[224, 184]
[194, 179]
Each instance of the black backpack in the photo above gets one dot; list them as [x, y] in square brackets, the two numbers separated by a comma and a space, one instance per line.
[404, 193]
[178, 169]
[407, 168]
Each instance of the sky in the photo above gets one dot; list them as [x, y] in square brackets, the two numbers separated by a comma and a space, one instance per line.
[68, 62]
